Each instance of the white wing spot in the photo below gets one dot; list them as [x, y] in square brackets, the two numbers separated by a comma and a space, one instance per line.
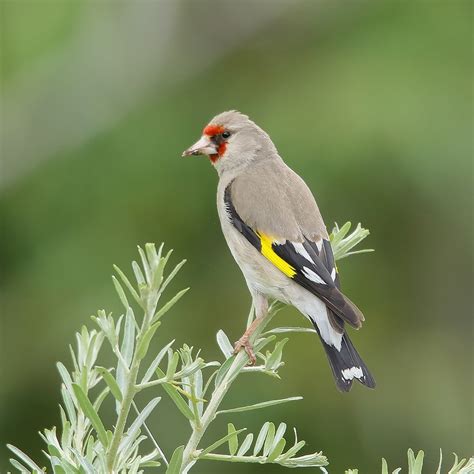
[308, 273]
[333, 274]
[349, 374]
[302, 251]
[319, 244]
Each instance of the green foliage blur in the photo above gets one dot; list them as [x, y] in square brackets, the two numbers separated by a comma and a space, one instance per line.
[371, 102]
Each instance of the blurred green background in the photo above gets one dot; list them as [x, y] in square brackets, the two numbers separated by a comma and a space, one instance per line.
[370, 101]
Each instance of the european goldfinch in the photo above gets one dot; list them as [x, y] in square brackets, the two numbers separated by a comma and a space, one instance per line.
[276, 234]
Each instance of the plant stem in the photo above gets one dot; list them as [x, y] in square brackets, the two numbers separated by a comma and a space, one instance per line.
[240, 361]
[123, 415]
[131, 384]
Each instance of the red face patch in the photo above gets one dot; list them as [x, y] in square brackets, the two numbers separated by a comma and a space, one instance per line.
[212, 131]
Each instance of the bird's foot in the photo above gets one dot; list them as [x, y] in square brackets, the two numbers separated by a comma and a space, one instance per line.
[244, 343]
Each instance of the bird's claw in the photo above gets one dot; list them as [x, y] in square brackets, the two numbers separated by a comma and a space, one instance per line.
[244, 343]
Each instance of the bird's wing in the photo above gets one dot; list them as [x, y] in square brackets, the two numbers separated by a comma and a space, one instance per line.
[308, 260]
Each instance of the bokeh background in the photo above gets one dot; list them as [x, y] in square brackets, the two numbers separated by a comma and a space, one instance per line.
[370, 101]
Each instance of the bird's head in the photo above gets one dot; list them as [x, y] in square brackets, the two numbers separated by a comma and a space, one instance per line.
[231, 141]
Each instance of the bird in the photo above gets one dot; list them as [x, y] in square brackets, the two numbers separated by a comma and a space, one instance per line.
[277, 236]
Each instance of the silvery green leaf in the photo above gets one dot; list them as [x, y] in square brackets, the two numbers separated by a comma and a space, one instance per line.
[172, 274]
[126, 352]
[276, 451]
[69, 405]
[385, 467]
[149, 463]
[91, 413]
[23, 457]
[128, 341]
[224, 344]
[160, 269]
[232, 441]
[220, 442]
[467, 469]
[258, 406]
[152, 256]
[245, 446]
[111, 382]
[310, 460]
[146, 267]
[138, 274]
[142, 348]
[198, 391]
[269, 439]
[173, 359]
[415, 464]
[86, 465]
[338, 234]
[176, 397]
[293, 450]
[176, 461]
[121, 294]
[66, 377]
[273, 362]
[129, 286]
[133, 431]
[280, 432]
[151, 370]
[167, 306]
[189, 370]
[19, 466]
[223, 369]
[284, 330]
[262, 436]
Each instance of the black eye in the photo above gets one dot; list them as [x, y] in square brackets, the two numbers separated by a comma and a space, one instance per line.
[225, 134]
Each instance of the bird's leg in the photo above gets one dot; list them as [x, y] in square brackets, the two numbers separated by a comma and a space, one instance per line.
[261, 310]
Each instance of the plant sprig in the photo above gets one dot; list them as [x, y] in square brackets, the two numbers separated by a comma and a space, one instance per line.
[88, 443]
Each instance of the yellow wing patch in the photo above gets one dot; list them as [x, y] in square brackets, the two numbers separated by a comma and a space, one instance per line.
[268, 252]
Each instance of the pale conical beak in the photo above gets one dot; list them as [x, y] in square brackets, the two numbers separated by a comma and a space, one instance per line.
[203, 146]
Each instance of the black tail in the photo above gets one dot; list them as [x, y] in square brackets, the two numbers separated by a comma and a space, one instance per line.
[347, 365]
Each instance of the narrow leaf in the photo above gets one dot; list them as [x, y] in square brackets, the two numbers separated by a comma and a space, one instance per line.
[176, 397]
[277, 450]
[111, 382]
[176, 461]
[167, 306]
[138, 274]
[245, 446]
[136, 425]
[127, 283]
[172, 365]
[294, 450]
[274, 360]
[283, 330]
[223, 369]
[151, 370]
[120, 292]
[219, 442]
[145, 340]
[269, 440]
[146, 267]
[262, 436]
[257, 406]
[23, 457]
[232, 441]
[224, 344]
[128, 341]
[89, 411]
